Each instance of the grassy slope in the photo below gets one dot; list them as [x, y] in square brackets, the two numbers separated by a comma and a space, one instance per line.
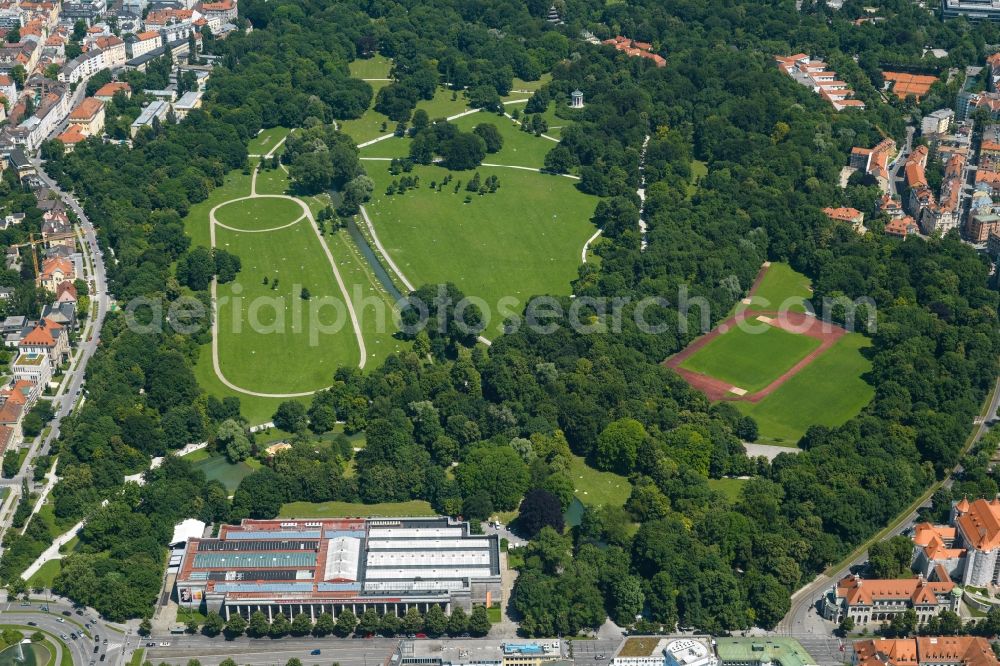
[343, 509]
[45, 575]
[287, 353]
[266, 140]
[595, 488]
[728, 487]
[521, 241]
[750, 360]
[827, 392]
[376, 67]
[519, 149]
[373, 304]
[369, 125]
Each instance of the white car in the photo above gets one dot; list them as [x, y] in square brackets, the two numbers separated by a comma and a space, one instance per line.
[165, 644]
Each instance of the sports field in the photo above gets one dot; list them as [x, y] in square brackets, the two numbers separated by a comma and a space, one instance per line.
[790, 380]
[751, 360]
[782, 288]
[523, 240]
[827, 392]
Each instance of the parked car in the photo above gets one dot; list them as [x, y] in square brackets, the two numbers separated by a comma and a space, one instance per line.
[45, 608]
[63, 636]
[67, 613]
[97, 648]
[103, 657]
[26, 603]
[97, 637]
[73, 635]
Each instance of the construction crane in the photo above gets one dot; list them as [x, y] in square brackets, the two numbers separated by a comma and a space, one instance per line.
[32, 243]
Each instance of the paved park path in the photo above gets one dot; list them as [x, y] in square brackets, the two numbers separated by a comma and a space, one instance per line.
[307, 215]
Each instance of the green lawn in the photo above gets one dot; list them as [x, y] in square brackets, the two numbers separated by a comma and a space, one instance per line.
[596, 488]
[751, 360]
[271, 181]
[45, 575]
[198, 456]
[376, 67]
[266, 140]
[235, 185]
[259, 214]
[372, 302]
[555, 123]
[522, 241]
[369, 125]
[137, 658]
[271, 340]
[519, 148]
[255, 409]
[728, 487]
[521, 88]
[829, 391]
[349, 509]
[699, 170]
[781, 289]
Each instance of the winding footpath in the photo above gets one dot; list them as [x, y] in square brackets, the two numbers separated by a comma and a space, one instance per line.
[306, 215]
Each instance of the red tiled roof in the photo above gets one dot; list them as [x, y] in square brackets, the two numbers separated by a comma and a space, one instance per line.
[86, 109]
[843, 214]
[109, 89]
[865, 592]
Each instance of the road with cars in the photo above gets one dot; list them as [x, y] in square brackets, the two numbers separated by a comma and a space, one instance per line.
[261, 651]
[93, 640]
[66, 399]
[803, 619]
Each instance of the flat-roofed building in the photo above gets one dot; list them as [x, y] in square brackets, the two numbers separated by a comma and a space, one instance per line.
[332, 565]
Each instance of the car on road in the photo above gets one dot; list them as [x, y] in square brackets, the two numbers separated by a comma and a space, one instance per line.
[73, 635]
[105, 642]
[316, 651]
[32, 624]
[45, 608]
[97, 637]
[421, 635]
[63, 636]
[97, 648]
[67, 613]
[150, 644]
[103, 657]
[26, 603]
[165, 644]
[59, 619]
